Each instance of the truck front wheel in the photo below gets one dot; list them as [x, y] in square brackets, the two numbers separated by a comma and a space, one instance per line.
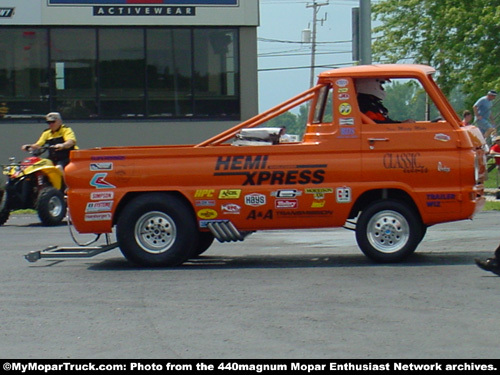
[388, 231]
[157, 230]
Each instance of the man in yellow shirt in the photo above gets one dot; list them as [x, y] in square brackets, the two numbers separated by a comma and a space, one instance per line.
[60, 137]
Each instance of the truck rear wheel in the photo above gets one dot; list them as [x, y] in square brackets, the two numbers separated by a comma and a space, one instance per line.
[157, 230]
[388, 231]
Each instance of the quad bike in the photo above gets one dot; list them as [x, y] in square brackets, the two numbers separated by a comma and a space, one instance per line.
[35, 183]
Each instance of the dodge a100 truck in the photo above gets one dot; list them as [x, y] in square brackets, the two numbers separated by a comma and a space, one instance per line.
[387, 181]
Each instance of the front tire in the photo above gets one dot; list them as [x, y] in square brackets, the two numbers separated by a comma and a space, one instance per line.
[156, 230]
[388, 231]
[51, 206]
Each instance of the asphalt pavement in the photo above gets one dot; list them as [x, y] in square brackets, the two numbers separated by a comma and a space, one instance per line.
[279, 294]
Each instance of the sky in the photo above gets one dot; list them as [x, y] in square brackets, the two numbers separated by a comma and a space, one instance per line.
[284, 20]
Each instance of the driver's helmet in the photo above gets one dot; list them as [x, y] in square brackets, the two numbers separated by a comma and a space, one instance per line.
[371, 86]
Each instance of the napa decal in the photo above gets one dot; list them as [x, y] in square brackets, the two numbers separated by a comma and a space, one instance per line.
[207, 214]
[99, 181]
[255, 170]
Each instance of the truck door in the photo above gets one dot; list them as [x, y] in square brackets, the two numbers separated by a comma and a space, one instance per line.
[417, 155]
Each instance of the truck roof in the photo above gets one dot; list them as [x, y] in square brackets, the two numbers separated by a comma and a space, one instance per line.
[381, 70]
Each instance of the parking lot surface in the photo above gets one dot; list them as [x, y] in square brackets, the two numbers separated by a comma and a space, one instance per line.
[278, 294]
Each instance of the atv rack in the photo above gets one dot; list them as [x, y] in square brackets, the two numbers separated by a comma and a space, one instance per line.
[56, 252]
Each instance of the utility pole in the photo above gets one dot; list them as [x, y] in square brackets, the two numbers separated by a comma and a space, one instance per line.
[365, 32]
[316, 6]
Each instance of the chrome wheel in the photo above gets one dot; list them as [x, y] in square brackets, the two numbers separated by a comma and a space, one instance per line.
[155, 232]
[388, 231]
[55, 206]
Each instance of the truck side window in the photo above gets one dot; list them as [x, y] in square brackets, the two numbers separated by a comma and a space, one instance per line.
[323, 111]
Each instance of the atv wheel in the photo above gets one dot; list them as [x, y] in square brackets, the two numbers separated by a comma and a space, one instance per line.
[4, 209]
[388, 231]
[51, 206]
[157, 230]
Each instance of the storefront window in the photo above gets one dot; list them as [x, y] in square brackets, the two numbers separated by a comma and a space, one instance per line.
[24, 87]
[169, 70]
[216, 72]
[73, 65]
[120, 72]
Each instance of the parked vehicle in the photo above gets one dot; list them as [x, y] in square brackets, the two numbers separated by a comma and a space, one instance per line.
[34, 183]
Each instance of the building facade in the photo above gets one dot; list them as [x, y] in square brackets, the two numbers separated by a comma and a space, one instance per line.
[126, 72]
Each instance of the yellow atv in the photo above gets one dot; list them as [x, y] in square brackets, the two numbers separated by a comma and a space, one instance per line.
[35, 183]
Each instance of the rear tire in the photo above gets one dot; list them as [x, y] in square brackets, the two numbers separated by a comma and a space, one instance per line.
[156, 230]
[51, 206]
[205, 241]
[388, 231]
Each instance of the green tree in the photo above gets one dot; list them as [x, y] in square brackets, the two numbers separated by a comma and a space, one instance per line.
[460, 38]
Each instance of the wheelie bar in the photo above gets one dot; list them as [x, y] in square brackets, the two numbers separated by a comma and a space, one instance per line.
[55, 252]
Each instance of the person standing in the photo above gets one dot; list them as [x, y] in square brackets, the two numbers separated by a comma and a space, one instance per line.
[466, 118]
[483, 116]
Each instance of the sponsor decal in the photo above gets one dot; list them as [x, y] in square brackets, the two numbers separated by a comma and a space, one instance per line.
[341, 90]
[319, 193]
[204, 223]
[204, 193]
[343, 194]
[435, 200]
[103, 158]
[442, 137]
[442, 168]
[408, 162]
[100, 206]
[347, 133]
[318, 204]
[342, 82]
[231, 208]
[143, 11]
[6, 12]
[345, 109]
[264, 215]
[255, 171]
[346, 121]
[344, 96]
[101, 166]
[98, 217]
[286, 193]
[309, 213]
[255, 200]
[286, 204]
[204, 203]
[207, 214]
[102, 195]
[229, 194]
[99, 181]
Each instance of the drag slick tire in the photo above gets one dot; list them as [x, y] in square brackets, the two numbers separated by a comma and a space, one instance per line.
[157, 230]
[51, 206]
[388, 231]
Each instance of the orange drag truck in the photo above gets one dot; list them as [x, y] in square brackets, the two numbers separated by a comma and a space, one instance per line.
[387, 181]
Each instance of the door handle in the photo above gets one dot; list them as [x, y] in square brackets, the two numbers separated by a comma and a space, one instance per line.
[373, 140]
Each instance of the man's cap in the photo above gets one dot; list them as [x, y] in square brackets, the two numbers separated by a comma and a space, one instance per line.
[497, 138]
[53, 116]
[492, 92]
